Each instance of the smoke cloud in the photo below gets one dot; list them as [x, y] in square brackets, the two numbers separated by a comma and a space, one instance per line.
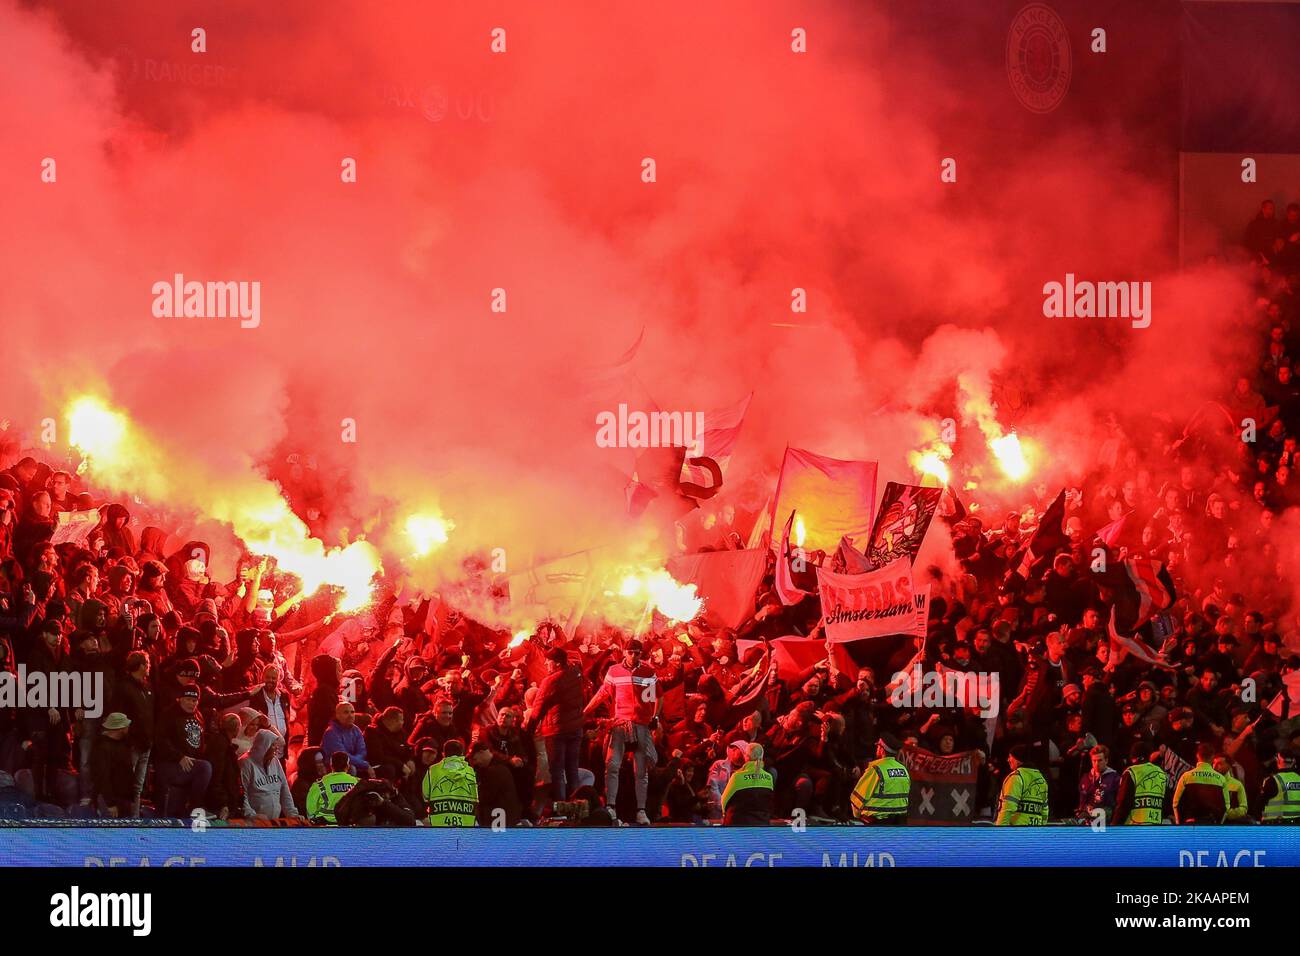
[522, 171]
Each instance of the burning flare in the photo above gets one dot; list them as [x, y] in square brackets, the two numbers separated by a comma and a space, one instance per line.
[675, 601]
[932, 461]
[120, 458]
[427, 532]
[977, 406]
[95, 430]
[1010, 456]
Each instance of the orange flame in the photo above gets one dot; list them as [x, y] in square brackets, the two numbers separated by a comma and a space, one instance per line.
[427, 532]
[120, 457]
[1010, 456]
[675, 601]
[932, 461]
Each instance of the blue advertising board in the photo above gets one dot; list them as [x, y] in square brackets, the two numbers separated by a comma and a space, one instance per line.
[1165, 846]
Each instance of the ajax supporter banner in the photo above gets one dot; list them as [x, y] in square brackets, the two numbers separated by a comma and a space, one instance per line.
[901, 523]
[872, 604]
[943, 785]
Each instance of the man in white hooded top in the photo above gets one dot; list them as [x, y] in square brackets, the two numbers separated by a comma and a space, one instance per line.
[266, 785]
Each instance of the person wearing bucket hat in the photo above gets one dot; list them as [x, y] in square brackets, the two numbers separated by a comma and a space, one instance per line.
[112, 769]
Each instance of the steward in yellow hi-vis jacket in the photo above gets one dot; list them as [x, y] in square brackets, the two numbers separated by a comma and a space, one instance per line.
[1142, 790]
[1024, 793]
[1202, 793]
[880, 797]
[324, 795]
[450, 789]
[747, 801]
[1236, 809]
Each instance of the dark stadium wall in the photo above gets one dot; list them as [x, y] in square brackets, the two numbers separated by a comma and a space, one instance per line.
[1120, 109]
[1239, 76]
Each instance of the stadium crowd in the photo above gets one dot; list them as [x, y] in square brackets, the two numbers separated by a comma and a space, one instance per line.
[213, 703]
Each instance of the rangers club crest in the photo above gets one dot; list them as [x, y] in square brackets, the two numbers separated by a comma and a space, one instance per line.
[1038, 58]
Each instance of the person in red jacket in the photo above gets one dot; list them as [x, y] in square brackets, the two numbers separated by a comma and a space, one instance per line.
[632, 689]
[557, 717]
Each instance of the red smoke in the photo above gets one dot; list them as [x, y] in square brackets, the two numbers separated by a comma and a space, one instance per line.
[522, 171]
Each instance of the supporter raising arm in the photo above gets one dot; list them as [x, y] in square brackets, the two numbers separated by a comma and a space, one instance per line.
[631, 687]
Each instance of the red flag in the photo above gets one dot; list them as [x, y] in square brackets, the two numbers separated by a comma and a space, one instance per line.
[1047, 540]
[1121, 645]
[718, 441]
[1277, 706]
[657, 482]
[427, 623]
[875, 604]
[744, 696]
[758, 537]
[901, 522]
[786, 589]
[1154, 589]
[795, 654]
[835, 497]
[849, 560]
[1111, 532]
[726, 580]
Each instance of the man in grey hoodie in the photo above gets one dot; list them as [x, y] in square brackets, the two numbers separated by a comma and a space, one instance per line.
[266, 785]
